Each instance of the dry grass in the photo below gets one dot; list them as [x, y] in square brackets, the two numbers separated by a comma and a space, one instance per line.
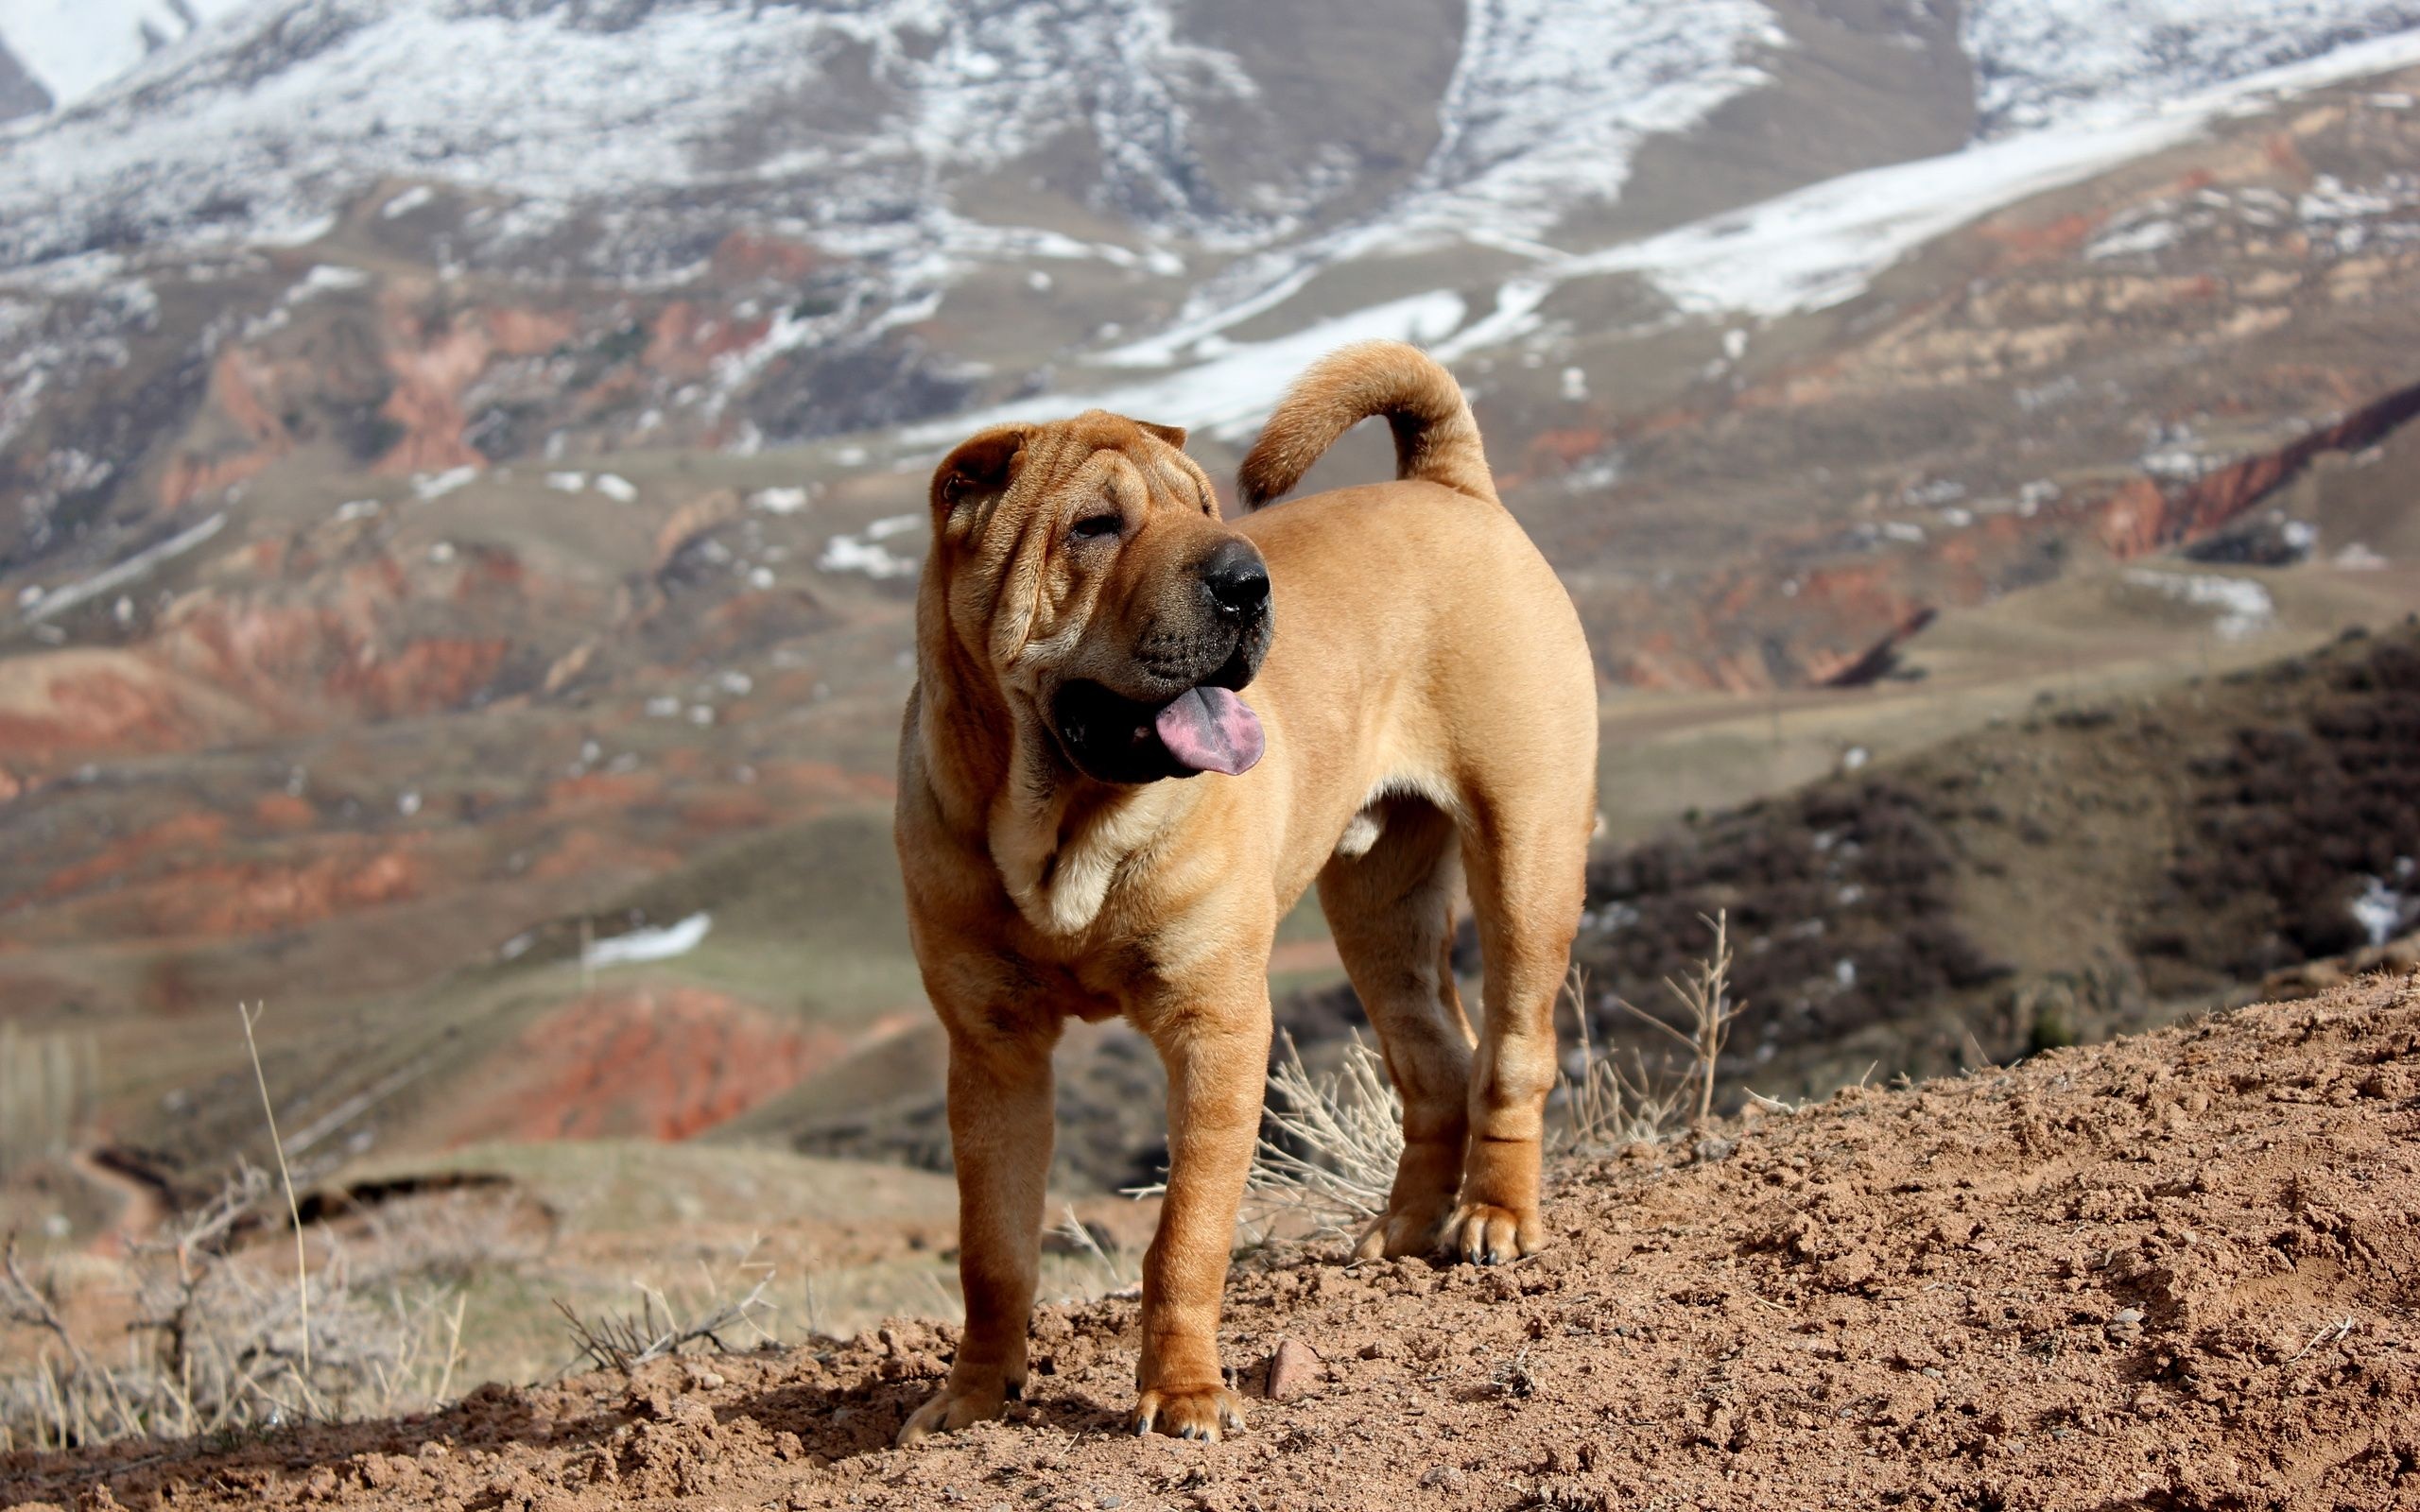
[1704, 996]
[720, 1317]
[218, 1341]
[1330, 1142]
[285, 1178]
[1114, 1270]
[215, 1343]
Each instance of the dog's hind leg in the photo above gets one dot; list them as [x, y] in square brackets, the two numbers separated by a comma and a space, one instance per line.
[1527, 857]
[999, 1126]
[1391, 909]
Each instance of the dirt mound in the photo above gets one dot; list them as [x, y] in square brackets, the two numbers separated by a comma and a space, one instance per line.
[2174, 1271]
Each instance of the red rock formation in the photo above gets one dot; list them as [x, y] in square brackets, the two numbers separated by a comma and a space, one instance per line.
[352, 650]
[663, 1063]
[66, 704]
[685, 339]
[192, 831]
[2056, 239]
[434, 359]
[588, 851]
[593, 791]
[237, 383]
[2142, 517]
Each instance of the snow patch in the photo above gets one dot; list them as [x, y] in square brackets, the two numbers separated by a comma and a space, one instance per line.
[405, 203]
[1232, 392]
[2133, 241]
[2380, 911]
[427, 486]
[2243, 608]
[325, 278]
[642, 945]
[46, 605]
[865, 552]
[778, 501]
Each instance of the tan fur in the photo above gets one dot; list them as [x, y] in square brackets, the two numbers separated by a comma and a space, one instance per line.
[1430, 717]
[1436, 438]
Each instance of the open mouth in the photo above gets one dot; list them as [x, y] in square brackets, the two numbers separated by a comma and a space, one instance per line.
[1116, 739]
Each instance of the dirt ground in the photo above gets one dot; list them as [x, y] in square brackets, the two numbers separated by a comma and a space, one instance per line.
[2179, 1271]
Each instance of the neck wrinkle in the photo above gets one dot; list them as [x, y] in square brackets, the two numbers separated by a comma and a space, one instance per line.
[962, 722]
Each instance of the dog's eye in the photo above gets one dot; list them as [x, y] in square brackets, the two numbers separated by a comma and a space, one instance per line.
[1097, 527]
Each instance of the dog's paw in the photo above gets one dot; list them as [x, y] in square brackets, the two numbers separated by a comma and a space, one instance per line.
[1487, 1235]
[1398, 1233]
[1201, 1412]
[955, 1406]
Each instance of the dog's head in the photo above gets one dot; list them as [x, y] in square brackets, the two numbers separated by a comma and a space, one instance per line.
[1084, 565]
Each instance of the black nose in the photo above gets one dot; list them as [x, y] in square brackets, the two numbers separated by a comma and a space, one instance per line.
[1237, 580]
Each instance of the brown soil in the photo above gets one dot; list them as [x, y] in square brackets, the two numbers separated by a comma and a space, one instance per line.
[2174, 1271]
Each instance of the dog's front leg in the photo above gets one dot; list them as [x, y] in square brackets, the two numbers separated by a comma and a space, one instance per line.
[1217, 1060]
[999, 1129]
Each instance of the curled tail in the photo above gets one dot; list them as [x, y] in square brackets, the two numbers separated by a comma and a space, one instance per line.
[1435, 439]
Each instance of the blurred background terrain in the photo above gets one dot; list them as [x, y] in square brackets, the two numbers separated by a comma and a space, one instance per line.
[461, 471]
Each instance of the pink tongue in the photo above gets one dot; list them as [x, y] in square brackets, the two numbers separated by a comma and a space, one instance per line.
[1210, 729]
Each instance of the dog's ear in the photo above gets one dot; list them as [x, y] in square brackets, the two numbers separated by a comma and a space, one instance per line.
[1173, 435]
[980, 468]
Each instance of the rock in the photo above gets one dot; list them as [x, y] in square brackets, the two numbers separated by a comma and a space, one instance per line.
[1293, 1371]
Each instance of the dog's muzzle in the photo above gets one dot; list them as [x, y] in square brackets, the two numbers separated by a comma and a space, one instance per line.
[1188, 719]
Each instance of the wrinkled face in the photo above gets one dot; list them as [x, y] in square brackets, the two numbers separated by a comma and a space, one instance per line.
[1085, 562]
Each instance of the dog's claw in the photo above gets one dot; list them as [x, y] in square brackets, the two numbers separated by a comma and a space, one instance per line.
[1200, 1416]
[1392, 1234]
[954, 1407]
[1485, 1235]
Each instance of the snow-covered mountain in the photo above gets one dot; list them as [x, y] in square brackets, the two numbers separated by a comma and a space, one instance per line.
[1212, 174]
[886, 128]
[2042, 62]
[856, 121]
[55, 53]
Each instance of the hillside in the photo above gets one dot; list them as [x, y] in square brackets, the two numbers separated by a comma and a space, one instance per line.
[2082, 868]
[2176, 1271]
[466, 608]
